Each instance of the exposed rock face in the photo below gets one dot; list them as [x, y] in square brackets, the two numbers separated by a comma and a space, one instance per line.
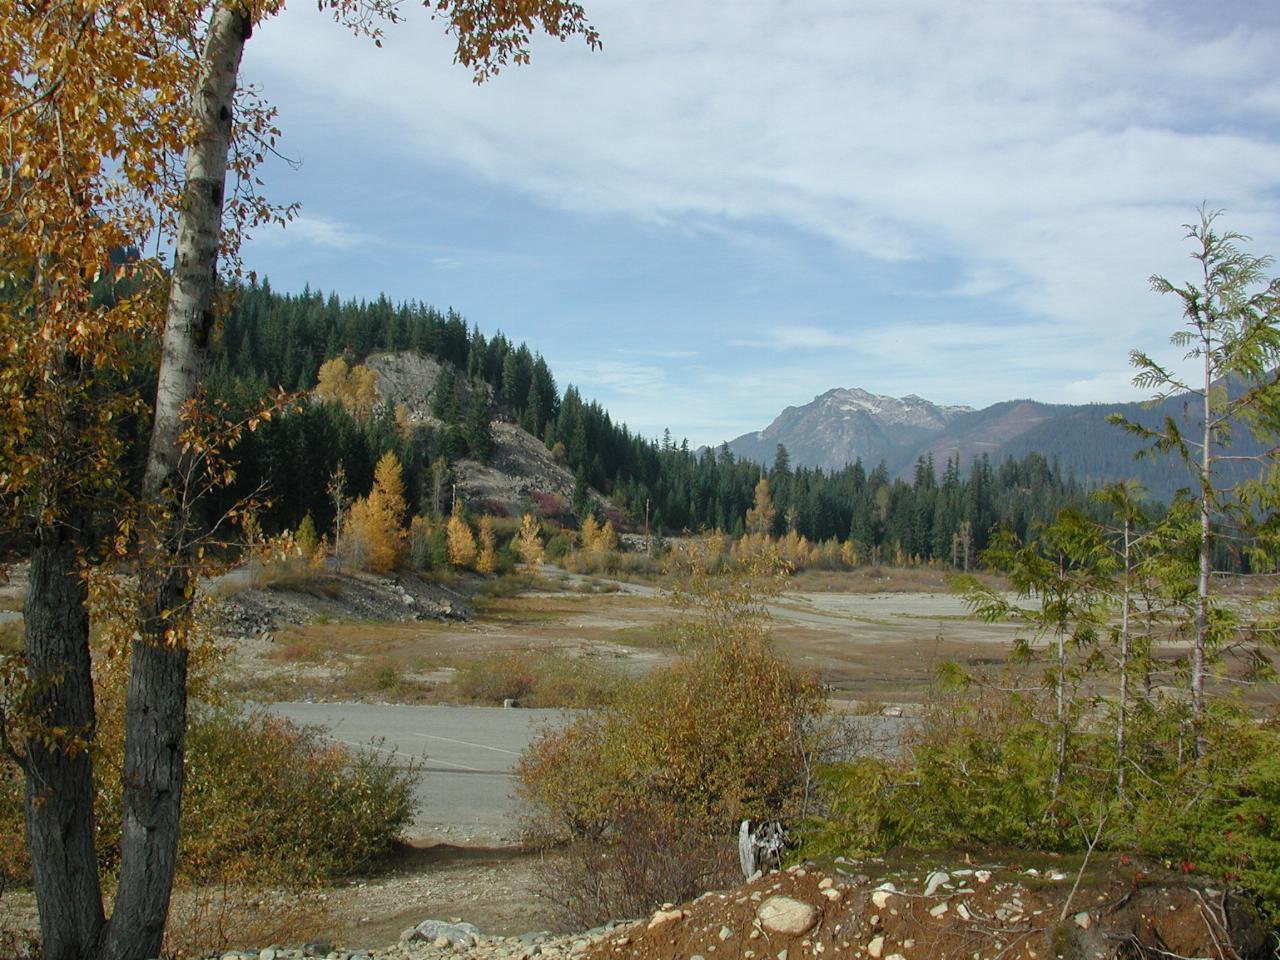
[522, 472]
[411, 378]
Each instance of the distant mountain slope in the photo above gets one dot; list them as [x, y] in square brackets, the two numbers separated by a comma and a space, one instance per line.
[987, 431]
[829, 433]
[842, 425]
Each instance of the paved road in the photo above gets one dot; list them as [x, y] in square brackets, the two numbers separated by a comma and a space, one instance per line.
[466, 793]
[466, 790]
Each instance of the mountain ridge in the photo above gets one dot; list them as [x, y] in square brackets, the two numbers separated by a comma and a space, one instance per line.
[846, 424]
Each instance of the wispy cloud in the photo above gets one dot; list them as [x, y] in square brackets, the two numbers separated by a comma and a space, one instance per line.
[636, 379]
[1042, 144]
[316, 231]
[659, 354]
[797, 338]
[1032, 159]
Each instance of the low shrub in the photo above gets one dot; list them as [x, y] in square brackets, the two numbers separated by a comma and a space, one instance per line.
[380, 676]
[271, 802]
[10, 637]
[979, 768]
[731, 732]
[558, 547]
[265, 802]
[646, 793]
[493, 681]
[595, 881]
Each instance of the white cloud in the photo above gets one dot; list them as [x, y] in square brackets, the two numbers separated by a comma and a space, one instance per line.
[1044, 152]
[791, 337]
[1039, 143]
[315, 231]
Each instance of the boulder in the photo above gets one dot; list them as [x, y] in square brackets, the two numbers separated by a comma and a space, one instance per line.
[458, 934]
[787, 915]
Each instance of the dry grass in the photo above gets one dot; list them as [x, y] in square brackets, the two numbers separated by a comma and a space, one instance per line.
[205, 921]
[535, 680]
[11, 637]
[882, 579]
[661, 635]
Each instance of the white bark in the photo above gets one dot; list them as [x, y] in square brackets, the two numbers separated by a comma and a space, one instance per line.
[156, 713]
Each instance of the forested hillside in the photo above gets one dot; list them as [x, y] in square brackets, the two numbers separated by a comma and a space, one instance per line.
[271, 339]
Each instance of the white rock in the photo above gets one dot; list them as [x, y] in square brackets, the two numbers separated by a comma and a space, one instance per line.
[832, 895]
[982, 876]
[875, 947]
[1083, 920]
[938, 909]
[963, 911]
[787, 915]
[934, 881]
[665, 916]
[725, 933]
[883, 892]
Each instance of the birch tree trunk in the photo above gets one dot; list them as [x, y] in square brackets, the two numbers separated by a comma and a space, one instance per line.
[155, 719]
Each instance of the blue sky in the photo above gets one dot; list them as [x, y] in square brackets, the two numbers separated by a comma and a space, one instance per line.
[735, 206]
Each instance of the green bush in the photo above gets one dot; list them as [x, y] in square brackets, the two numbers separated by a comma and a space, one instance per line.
[975, 770]
[979, 767]
[557, 547]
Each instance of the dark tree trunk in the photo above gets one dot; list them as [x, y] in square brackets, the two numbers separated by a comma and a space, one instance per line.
[155, 720]
[59, 770]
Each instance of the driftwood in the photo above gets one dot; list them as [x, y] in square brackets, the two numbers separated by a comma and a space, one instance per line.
[760, 848]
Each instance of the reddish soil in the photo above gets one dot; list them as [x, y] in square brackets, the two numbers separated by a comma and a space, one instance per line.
[990, 913]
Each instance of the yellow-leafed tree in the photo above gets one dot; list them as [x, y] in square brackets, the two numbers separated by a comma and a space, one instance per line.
[377, 521]
[590, 533]
[529, 540]
[760, 516]
[353, 387]
[487, 561]
[124, 126]
[460, 544]
[604, 540]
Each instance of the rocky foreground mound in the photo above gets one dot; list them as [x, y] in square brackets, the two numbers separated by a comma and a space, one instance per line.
[868, 909]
